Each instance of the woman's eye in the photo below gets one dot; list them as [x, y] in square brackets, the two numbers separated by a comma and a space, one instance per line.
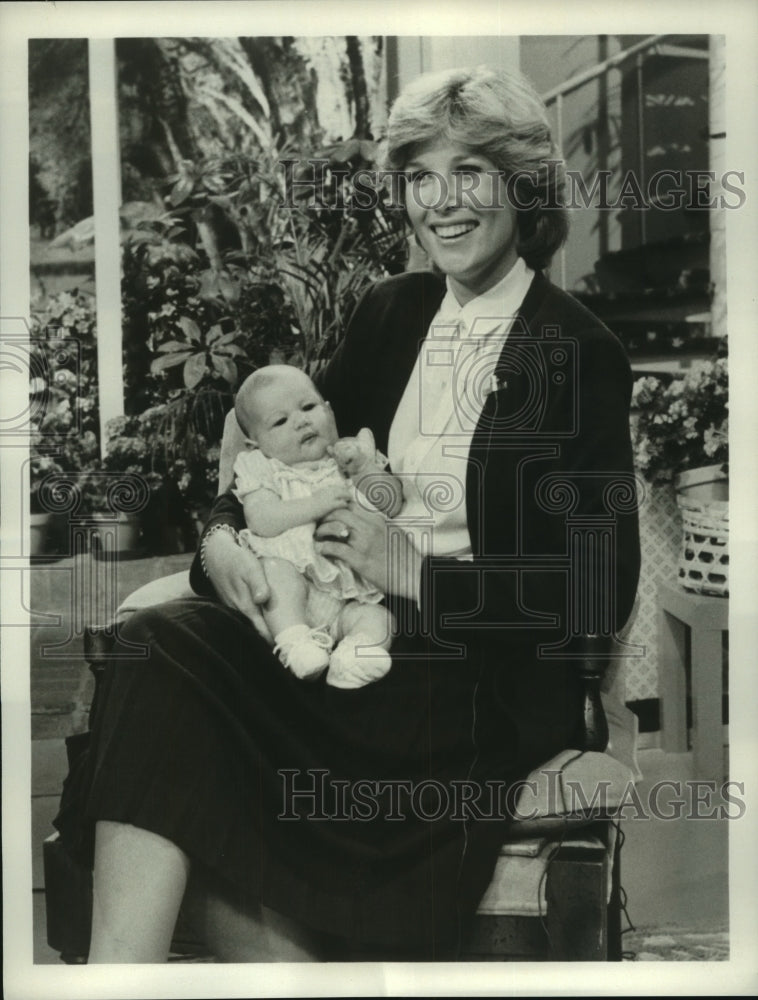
[416, 176]
[469, 168]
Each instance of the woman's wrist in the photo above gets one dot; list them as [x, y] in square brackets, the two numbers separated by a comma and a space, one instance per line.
[216, 531]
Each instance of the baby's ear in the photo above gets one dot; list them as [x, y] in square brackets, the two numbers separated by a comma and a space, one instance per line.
[365, 439]
[250, 444]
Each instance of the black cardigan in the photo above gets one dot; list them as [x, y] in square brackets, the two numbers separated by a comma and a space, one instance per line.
[551, 456]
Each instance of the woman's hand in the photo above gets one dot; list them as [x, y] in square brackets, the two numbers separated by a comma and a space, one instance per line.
[374, 547]
[330, 498]
[237, 577]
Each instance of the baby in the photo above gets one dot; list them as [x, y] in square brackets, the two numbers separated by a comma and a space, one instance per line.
[287, 480]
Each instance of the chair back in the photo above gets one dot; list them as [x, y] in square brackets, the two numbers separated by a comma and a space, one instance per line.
[232, 443]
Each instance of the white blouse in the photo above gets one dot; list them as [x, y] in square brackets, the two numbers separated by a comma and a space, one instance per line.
[434, 423]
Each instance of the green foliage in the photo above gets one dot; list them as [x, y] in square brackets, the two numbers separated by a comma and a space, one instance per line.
[63, 389]
[152, 446]
[239, 271]
[682, 425]
[241, 268]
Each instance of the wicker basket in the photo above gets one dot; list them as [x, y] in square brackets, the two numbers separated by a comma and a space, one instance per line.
[704, 558]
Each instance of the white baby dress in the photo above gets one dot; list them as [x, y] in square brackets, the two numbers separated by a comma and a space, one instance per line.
[253, 471]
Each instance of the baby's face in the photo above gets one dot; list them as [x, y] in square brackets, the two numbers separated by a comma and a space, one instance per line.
[290, 421]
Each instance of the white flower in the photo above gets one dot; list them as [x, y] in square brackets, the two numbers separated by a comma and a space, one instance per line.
[690, 428]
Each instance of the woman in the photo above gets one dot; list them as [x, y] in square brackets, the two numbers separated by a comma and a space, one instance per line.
[503, 406]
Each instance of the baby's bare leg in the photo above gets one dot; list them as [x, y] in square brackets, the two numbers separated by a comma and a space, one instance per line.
[373, 621]
[298, 647]
[289, 593]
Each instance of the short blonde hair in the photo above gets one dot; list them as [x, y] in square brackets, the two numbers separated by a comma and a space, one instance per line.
[501, 115]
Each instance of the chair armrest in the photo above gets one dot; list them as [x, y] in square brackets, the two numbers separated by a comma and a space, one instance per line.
[99, 640]
[166, 588]
[580, 785]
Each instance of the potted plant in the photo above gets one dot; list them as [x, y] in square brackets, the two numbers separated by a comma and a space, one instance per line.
[683, 425]
[63, 403]
[115, 531]
[119, 491]
[161, 464]
[41, 466]
[179, 432]
[681, 444]
[60, 452]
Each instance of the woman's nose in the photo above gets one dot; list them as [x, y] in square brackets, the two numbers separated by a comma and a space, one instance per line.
[450, 194]
[439, 191]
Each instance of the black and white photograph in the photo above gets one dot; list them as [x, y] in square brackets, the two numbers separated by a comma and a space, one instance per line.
[378, 566]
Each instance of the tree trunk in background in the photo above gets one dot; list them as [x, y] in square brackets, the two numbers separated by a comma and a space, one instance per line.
[59, 133]
[360, 91]
[249, 94]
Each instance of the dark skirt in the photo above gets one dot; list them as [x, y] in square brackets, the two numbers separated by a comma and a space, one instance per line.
[341, 809]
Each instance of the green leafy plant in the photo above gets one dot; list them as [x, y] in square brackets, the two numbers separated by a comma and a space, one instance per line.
[63, 389]
[684, 424]
[201, 352]
[342, 233]
[287, 245]
[152, 445]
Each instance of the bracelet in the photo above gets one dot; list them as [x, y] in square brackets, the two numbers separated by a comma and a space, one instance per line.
[211, 531]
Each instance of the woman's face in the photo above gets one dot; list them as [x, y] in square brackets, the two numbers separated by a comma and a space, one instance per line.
[457, 204]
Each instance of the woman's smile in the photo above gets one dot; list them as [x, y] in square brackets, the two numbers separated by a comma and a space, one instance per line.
[449, 231]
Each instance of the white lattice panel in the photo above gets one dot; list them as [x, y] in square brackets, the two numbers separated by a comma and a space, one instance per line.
[660, 540]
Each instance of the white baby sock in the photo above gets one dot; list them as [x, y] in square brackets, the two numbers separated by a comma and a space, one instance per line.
[350, 667]
[303, 650]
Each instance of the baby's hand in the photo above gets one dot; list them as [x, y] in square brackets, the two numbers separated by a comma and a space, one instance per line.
[331, 498]
[357, 454]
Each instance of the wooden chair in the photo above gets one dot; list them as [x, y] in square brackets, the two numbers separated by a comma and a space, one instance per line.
[555, 894]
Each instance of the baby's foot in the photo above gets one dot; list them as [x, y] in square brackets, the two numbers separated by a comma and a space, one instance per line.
[353, 667]
[304, 651]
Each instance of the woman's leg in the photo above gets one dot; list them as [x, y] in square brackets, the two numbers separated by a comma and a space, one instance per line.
[139, 882]
[234, 931]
